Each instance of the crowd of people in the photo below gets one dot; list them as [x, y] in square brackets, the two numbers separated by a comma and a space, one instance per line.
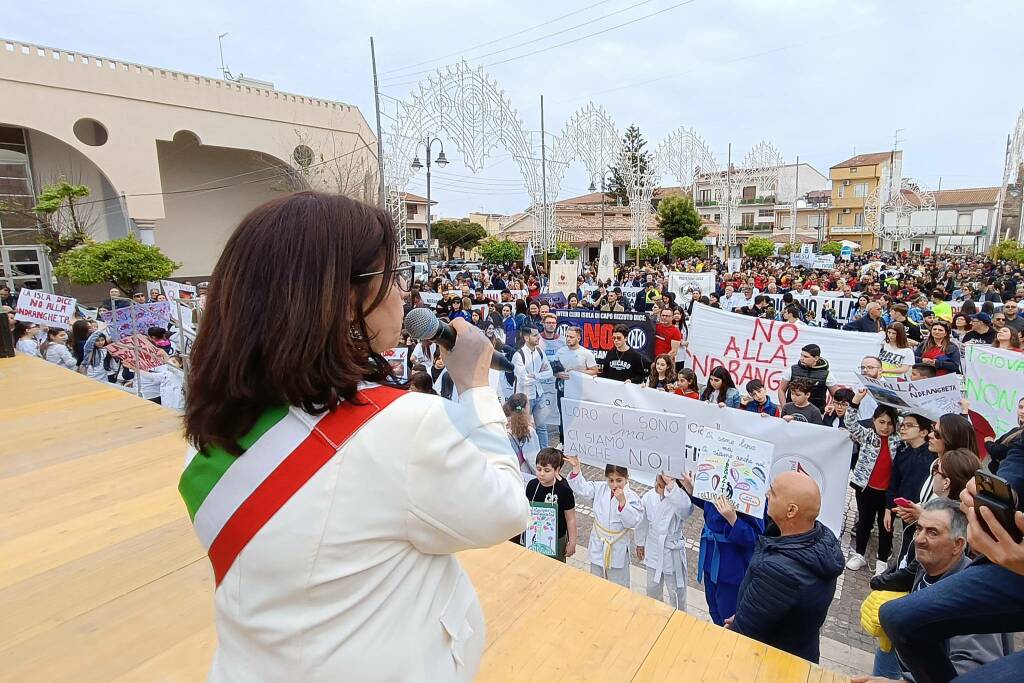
[773, 578]
[770, 577]
[83, 349]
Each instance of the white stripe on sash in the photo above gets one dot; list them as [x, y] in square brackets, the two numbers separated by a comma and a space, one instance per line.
[246, 474]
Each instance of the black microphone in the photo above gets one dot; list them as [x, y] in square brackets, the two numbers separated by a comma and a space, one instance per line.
[422, 324]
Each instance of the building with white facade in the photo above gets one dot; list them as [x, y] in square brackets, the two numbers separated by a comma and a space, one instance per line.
[963, 222]
[757, 205]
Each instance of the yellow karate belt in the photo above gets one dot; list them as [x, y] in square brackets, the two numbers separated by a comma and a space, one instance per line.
[609, 538]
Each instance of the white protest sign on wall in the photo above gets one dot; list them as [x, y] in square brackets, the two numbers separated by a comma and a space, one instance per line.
[641, 440]
[681, 283]
[754, 348]
[932, 397]
[994, 384]
[37, 306]
[563, 276]
[822, 453]
[733, 466]
[841, 306]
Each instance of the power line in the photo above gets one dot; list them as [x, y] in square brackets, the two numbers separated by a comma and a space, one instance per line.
[536, 40]
[496, 40]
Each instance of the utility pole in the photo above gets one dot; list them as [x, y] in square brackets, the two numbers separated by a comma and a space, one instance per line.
[936, 229]
[892, 172]
[544, 185]
[380, 137]
[796, 196]
[728, 203]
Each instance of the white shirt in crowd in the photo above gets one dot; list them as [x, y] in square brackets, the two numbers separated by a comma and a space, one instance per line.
[28, 346]
[578, 359]
[59, 354]
[531, 369]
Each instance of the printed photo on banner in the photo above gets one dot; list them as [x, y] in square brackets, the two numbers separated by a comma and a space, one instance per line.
[819, 452]
[398, 358]
[137, 318]
[541, 534]
[643, 440]
[994, 384]
[680, 284]
[598, 327]
[149, 356]
[177, 290]
[932, 397]
[629, 293]
[731, 465]
[840, 306]
[754, 348]
[52, 310]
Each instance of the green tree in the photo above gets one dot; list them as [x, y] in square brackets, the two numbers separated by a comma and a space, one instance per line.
[788, 248]
[1007, 250]
[571, 252]
[654, 249]
[677, 217]
[687, 247]
[759, 247]
[62, 227]
[633, 144]
[457, 235]
[126, 263]
[834, 248]
[494, 250]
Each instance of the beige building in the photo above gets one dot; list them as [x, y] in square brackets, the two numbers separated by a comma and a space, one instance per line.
[175, 158]
[853, 181]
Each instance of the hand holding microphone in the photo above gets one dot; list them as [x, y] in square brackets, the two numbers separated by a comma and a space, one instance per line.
[467, 361]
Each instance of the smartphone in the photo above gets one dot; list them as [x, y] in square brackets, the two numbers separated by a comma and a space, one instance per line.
[902, 502]
[995, 494]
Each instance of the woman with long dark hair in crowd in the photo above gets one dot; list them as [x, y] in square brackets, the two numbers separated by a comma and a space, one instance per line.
[896, 355]
[24, 335]
[383, 486]
[55, 349]
[939, 350]
[721, 389]
[1008, 339]
[80, 331]
[961, 325]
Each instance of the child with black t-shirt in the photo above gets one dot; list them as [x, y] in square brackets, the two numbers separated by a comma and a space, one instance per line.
[550, 487]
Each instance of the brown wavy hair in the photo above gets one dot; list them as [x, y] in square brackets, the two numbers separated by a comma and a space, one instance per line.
[279, 326]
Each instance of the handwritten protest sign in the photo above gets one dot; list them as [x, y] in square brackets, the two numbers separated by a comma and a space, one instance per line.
[53, 310]
[598, 327]
[149, 355]
[994, 384]
[398, 358]
[541, 534]
[819, 452]
[642, 440]
[754, 348]
[137, 318]
[731, 465]
[932, 397]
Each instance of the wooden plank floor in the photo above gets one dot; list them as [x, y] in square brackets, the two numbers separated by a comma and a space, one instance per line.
[101, 578]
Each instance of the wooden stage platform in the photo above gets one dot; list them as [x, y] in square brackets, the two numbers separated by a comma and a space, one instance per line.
[101, 578]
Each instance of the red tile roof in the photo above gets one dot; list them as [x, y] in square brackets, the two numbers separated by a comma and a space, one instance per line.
[865, 159]
[411, 198]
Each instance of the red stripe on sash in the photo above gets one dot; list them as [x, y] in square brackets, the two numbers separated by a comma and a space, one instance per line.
[292, 474]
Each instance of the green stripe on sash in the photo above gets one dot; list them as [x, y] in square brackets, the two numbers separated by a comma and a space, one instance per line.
[210, 464]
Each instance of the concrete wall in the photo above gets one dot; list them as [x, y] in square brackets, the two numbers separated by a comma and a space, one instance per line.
[52, 158]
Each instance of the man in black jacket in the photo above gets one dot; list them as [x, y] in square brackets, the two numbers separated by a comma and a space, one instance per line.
[789, 584]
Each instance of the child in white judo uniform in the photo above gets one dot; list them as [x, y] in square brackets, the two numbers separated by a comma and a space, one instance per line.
[617, 509]
[659, 540]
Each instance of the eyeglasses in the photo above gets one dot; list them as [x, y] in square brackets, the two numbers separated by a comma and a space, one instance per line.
[936, 470]
[909, 425]
[402, 273]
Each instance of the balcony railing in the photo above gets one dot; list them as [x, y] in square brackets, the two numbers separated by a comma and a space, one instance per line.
[708, 202]
[759, 200]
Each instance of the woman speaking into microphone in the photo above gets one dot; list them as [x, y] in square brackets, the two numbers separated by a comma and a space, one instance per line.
[331, 502]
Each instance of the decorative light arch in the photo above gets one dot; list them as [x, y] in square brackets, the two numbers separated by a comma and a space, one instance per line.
[685, 156]
[899, 203]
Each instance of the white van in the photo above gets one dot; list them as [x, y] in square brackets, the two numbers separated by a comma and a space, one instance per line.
[419, 271]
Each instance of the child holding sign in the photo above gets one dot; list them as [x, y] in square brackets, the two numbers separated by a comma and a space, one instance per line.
[659, 539]
[726, 547]
[548, 488]
[616, 510]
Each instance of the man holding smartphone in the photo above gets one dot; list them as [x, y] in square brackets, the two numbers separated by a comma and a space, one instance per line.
[986, 597]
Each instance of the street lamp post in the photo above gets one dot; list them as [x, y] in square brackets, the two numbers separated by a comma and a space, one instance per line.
[441, 161]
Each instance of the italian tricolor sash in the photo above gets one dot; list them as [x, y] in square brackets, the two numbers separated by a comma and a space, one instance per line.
[230, 498]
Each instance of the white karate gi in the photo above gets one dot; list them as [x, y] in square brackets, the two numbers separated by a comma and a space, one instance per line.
[609, 537]
[661, 534]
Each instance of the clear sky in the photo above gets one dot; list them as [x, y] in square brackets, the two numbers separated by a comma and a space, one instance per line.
[818, 78]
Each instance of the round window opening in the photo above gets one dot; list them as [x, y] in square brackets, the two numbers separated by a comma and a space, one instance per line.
[90, 132]
[303, 156]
